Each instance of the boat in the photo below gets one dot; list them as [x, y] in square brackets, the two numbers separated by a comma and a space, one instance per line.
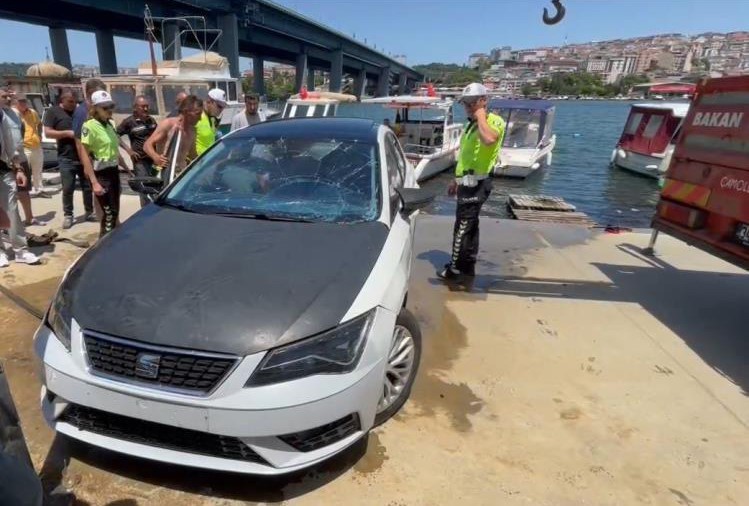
[648, 137]
[528, 141]
[195, 75]
[426, 130]
[314, 104]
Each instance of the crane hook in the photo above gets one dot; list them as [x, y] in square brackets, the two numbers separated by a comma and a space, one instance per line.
[561, 11]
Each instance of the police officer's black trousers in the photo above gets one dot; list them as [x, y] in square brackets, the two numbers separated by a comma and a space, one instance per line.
[109, 179]
[466, 231]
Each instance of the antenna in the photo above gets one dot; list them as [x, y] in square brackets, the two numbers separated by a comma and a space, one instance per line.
[148, 19]
[46, 52]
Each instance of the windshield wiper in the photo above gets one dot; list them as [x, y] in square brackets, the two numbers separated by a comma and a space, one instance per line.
[181, 207]
[263, 216]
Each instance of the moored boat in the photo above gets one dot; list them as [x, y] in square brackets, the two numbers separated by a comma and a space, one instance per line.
[648, 137]
[528, 141]
[426, 130]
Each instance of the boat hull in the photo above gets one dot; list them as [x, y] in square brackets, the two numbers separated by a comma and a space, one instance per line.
[426, 168]
[645, 165]
[521, 163]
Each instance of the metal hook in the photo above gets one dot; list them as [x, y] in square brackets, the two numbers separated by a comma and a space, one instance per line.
[561, 11]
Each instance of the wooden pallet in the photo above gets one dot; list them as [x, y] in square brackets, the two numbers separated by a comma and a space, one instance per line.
[539, 202]
[547, 209]
[569, 217]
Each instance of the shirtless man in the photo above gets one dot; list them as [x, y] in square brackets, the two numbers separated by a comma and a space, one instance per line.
[190, 110]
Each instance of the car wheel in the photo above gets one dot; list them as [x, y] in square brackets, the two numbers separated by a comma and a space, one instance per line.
[402, 366]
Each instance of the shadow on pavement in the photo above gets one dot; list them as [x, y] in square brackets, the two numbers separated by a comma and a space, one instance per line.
[707, 310]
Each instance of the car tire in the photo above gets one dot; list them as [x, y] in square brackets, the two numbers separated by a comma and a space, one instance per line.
[406, 322]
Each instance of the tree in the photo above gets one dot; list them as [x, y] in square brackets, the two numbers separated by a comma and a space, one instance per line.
[527, 89]
[448, 73]
[625, 83]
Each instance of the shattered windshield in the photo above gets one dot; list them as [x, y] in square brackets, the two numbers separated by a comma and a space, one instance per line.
[300, 179]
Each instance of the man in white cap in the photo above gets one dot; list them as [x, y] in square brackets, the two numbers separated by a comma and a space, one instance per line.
[205, 130]
[479, 151]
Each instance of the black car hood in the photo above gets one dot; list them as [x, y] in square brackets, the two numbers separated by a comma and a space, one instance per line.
[221, 284]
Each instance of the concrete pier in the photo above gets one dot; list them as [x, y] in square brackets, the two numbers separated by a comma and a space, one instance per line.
[572, 370]
[258, 77]
[301, 71]
[106, 52]
[383, 82]
[58, 39]
[336, 70]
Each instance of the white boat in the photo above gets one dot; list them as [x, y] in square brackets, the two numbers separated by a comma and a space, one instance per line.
[322, 104]
[529, 141]
[195, 74]
[426, 130]
[648, 137]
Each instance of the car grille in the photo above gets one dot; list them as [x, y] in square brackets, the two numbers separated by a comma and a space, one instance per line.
[158, 435]
[313, 439]
[189, 371]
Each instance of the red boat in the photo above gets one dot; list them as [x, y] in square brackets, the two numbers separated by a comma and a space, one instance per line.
[648, 137]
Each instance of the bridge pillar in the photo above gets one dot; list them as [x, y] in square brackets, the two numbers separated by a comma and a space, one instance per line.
[383, 82]
[359, 83]
[172, 44]
[301, 71]
[336, 70]
[228, 44]
[58, 39]
[258, 75]
[402, 85]
[310, 79]
[106, 52]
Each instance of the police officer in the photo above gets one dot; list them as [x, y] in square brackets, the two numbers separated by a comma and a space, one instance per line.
[207, 127]
[479, 151]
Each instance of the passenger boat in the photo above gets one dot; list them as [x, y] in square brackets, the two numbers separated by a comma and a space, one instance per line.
[195, 75]
[528, 141]
[648, 137]
[314, 104]
[426, 130]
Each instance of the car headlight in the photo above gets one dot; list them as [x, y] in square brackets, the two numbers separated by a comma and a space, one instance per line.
[336, 351]
[59, 319]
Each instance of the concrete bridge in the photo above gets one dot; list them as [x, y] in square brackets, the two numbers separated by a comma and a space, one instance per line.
[259, 29]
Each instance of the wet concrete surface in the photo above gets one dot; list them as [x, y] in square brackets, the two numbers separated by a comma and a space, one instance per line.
[562, 375]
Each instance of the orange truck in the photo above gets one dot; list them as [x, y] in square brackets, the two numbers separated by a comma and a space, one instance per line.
[705, 196]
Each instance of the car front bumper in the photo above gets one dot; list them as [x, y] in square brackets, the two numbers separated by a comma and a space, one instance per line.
[272, 429]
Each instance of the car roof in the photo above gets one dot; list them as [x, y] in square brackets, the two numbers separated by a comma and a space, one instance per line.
[354, 129]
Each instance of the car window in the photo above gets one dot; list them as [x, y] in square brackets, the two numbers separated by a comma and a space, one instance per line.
[395, 178]
[304, 178]
[399, 159]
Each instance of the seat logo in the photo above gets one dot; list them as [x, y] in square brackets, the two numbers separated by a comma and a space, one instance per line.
[147, 365]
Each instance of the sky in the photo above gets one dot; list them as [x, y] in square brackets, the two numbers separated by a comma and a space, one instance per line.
[442, 30]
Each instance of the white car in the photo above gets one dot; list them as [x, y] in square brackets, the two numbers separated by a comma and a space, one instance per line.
[251, 319]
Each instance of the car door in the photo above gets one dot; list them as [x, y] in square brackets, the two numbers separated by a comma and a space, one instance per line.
[401, 227]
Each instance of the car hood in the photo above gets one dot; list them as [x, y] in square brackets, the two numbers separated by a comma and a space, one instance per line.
[220, 284]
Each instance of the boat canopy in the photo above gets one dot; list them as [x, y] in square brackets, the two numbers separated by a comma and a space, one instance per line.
[678, 109]
[650, 127]
[410, 102]
[528, 122]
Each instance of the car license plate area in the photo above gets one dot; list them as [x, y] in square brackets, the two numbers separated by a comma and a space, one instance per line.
[742, 234]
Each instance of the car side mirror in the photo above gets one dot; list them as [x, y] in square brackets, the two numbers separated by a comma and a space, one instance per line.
[414, 199]
[146, 185]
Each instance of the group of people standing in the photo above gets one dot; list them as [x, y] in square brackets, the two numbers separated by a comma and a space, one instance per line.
[88, 151]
